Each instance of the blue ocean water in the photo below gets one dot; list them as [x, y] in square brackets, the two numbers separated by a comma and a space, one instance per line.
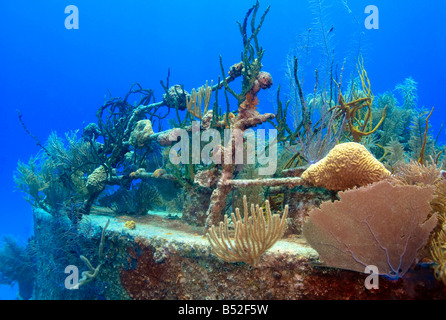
[58, 77]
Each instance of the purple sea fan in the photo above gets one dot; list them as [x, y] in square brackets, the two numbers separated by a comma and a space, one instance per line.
[379, 225]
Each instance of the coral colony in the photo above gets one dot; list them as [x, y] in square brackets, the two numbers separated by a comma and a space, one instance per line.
[218, 207]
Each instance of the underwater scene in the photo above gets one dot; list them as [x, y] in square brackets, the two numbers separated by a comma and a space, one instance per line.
[226, 150]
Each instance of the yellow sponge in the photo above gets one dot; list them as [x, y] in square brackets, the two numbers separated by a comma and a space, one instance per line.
[347, 165]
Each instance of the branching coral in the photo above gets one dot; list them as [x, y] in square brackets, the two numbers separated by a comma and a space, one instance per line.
[253, 235]
[316, 128]
[92, 272]
[250, 66]
[380, 225]
[248, 116]
[117, 119]
[359, 122]
[423, 146]
[420, 142]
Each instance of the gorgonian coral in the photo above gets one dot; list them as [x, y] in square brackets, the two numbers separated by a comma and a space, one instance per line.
[379, 225]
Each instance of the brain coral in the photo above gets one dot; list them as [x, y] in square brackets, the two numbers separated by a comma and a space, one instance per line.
[347, 165]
